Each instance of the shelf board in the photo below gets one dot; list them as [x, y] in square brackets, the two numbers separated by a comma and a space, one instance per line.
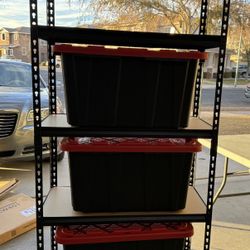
[57, 125]
[58, 210]
[127, 38]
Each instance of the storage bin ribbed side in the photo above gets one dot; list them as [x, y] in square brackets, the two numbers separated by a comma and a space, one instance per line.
[129, 174]
[128, 91]
[129, 181]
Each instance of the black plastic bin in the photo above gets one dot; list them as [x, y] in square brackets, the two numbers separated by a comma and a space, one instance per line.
[128, 87]
[167, 236]
[129, 174]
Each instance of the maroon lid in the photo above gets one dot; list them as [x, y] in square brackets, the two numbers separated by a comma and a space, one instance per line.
[129, 144]
[128, 52]
[105, 233]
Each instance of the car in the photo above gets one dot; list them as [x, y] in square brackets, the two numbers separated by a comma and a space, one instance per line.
[244, 74]
[16, 112]
[242, 70]
[247, 91]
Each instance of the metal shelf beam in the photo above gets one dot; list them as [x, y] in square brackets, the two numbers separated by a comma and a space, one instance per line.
[56, 125]
[128, 38]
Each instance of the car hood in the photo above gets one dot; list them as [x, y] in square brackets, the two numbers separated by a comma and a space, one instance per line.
[20, 98]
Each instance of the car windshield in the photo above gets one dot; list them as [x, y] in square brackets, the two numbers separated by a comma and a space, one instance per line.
[16, 75]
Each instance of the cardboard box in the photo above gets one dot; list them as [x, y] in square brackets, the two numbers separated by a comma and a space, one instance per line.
[17, 216]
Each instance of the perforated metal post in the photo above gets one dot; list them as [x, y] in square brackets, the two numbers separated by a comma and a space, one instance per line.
[197, 90]
[52, 105]
[37, 122]
[192, 172]
[187, 244]
[52, 92]
[216, 119]
[202, 31]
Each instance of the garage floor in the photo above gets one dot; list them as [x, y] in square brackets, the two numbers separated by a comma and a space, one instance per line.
[231, 218]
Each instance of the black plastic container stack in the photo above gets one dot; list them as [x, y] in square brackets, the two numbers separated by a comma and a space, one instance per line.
[131, 89]
[128, 88]
[167, 236]
[129, 174]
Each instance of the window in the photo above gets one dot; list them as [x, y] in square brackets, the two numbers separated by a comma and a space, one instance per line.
[10, 52]
[24, 51]
[11, 72]
[15, 36]
[3, 36]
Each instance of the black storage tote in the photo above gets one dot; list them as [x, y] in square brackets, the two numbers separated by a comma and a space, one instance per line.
[128, 88]
[165, 236]
[129, 174]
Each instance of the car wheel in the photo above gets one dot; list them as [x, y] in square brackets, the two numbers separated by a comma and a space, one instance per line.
[244, 74]
[247, 94]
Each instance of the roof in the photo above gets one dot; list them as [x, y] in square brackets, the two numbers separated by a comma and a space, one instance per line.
[18, 29]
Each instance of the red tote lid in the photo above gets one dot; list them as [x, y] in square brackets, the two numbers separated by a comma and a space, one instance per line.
[130, 144]
[128, 52]
[107, 233]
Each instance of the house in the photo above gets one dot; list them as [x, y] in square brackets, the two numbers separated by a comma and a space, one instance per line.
[211, 64]
[15, 44]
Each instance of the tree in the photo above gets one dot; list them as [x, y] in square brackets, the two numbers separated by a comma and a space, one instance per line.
[239, 30]
[183, 15]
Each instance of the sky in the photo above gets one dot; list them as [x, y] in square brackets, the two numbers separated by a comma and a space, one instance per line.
[15, 13]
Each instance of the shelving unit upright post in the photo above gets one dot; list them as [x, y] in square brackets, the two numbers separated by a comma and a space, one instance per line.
[53, 129]
[216, 120]
[53, 107]
[37, 124]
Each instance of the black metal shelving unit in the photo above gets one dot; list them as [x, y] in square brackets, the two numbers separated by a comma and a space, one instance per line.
[49, 211]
